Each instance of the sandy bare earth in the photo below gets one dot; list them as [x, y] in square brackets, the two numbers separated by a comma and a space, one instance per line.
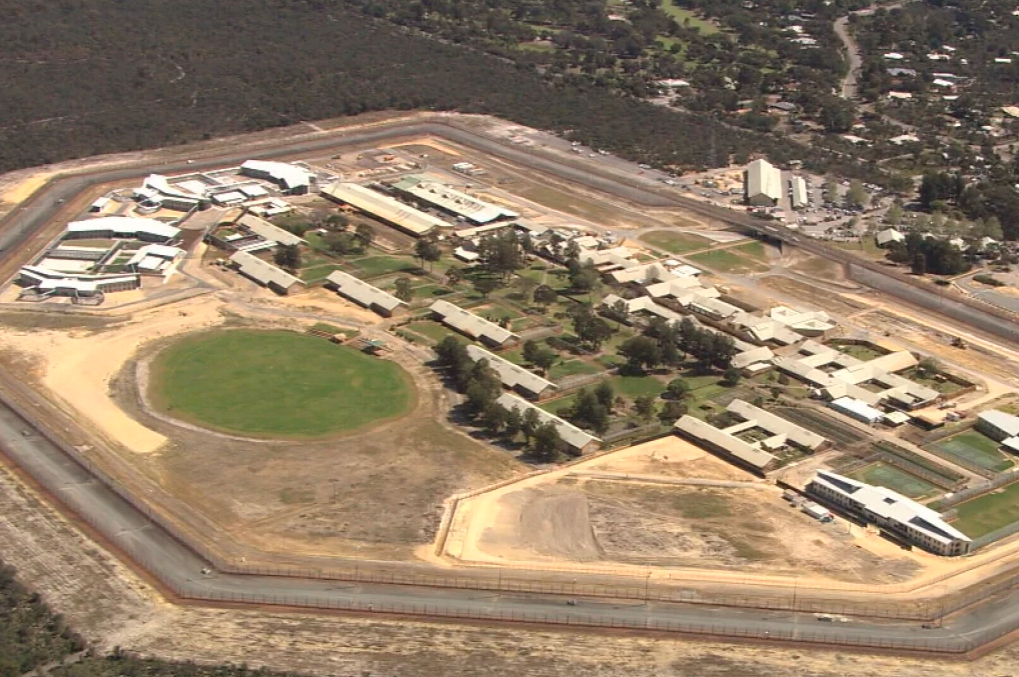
[111, 606]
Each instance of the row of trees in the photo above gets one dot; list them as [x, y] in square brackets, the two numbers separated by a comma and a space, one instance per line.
[665, 343]
[482, 388]
[928, 255]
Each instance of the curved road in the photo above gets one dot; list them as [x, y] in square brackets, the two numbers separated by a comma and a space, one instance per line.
[188, 575]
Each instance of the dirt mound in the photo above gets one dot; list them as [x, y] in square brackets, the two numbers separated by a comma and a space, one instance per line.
[550, 522]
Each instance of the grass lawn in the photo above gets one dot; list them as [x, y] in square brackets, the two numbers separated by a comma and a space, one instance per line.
[986, 513]
[635, 386]
[725, 261]
[372, 266]
[860, 352]
[885, 475]
[431, 329]
[976, 448]
[316, 273]
[571, 368]
[754, 250]
[675, 242]
[685, 17]
[276, 383]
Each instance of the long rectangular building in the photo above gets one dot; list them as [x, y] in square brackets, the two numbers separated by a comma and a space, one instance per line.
[452, 201]
[577, 440]
[472, 325]
[721, 442]
[903, 517]
[147, 230]
[513, 376]
[264, 272]
[268, 231]
[364, 294]
[384, 208]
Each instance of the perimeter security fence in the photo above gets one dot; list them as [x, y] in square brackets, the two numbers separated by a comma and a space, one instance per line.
[190, 584]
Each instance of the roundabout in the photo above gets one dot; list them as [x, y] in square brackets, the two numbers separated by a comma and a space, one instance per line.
[276, 383]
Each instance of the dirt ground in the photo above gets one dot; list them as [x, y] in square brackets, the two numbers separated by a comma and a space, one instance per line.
[667, 504]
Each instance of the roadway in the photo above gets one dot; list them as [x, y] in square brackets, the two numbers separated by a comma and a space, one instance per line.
[188, 575]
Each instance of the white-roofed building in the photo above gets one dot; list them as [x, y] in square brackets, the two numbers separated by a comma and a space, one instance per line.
[1000, 427]
[264, 272]
[364, 294]
[762, 184]
[452, 201]
[728, 446]
[291, 179]
[578, 441]
[889, 510]
[157, 189]
[155, 259]
[385, 208]
[268, 231]
[798, 186]
[472, 325]
[857, 409]
[147, 230]
[513, 376]
[886, 237]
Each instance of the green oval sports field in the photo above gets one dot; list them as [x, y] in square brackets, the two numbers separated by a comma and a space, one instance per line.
[276, 384]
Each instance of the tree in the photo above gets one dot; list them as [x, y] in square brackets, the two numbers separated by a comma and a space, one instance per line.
[427, 249]
[529, 424]
[365, 234]
[644, 406]
[671, 412]
[547, 442]
[732, 376]
[589, 412]
[339, 222]
[545, 296]
[513, 423]
[454, 275]
[830, 191]
[538, 356]
[404, 291]
[678, 389]
[288, 256]
[501, 254]
[589, 328]
[894, 214]
[583, 278]
[604, 394]
[486, 285]
[919, 264]
[929, 366]
[641, 353]
[857, 197]
[493, 418]
[340, 243]
[836, 115]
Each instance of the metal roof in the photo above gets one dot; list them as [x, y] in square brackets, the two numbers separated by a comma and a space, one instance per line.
[361, 292]
[511, 375]
[386, 208]
[763, 178]
[453, 200]
[471, 324]
[571, 434]
[745, 452]
[263, 271]
[892, 506]
[124, 225]
[290, 176]
[268, 231]
[776, 424]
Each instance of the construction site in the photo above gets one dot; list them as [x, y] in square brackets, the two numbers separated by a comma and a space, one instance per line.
[243, 350]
